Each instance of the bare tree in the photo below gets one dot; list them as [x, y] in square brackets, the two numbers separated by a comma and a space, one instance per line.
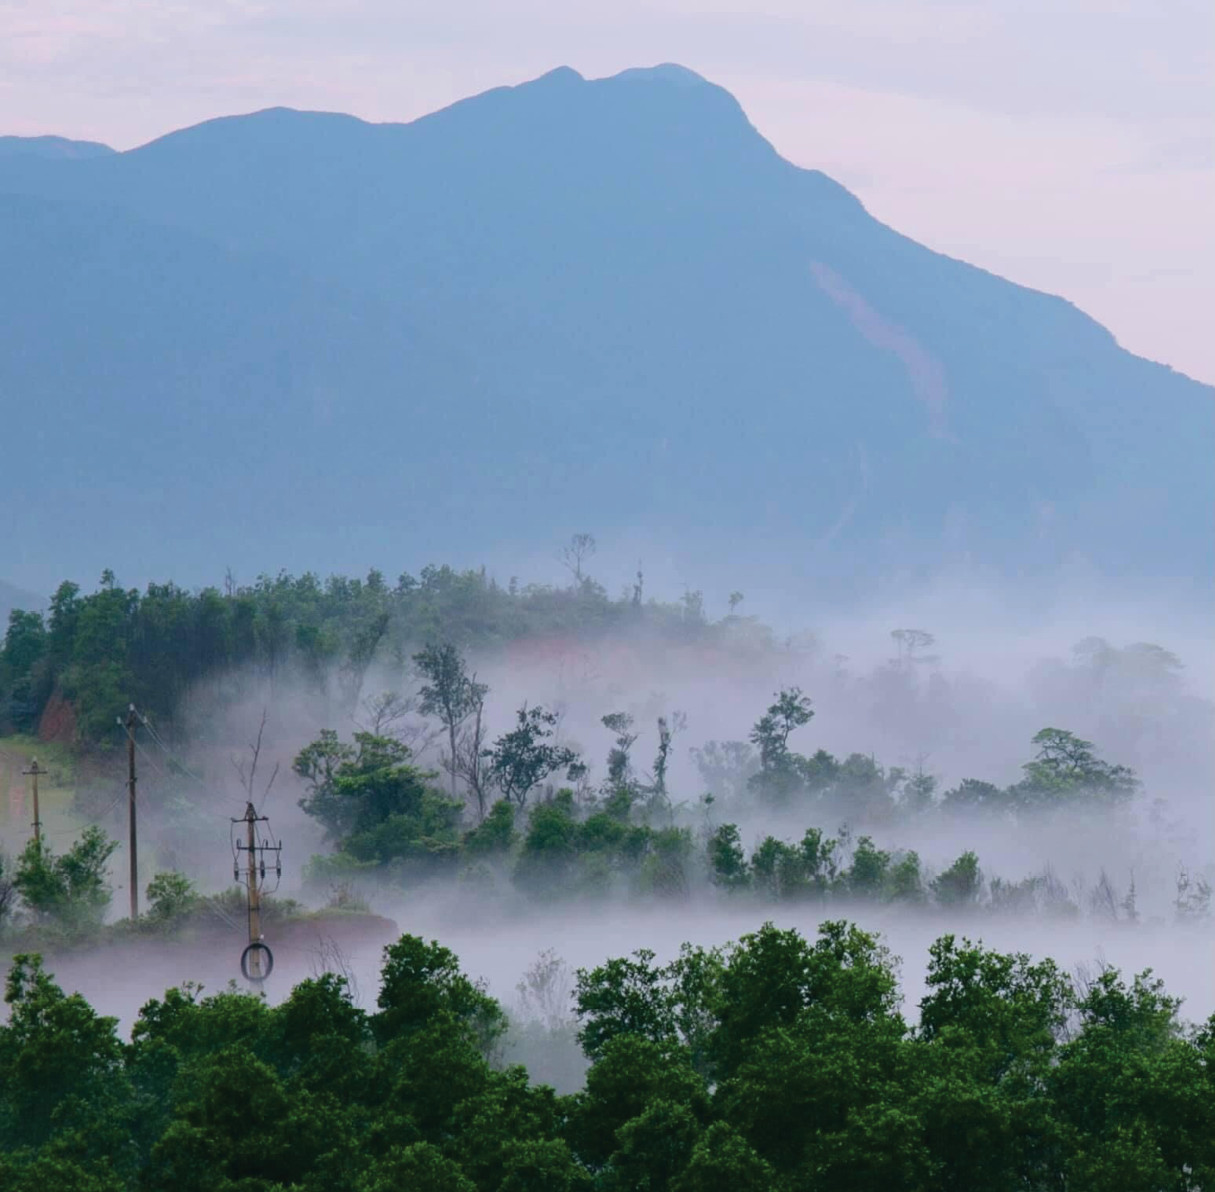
[248, 772]
[575, 553]
[328, 957]
[546, 990]
[383, 714]
[469, 762]
[391, 714]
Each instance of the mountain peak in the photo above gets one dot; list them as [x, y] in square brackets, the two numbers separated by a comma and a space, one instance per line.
[560, 74]
[664, 72]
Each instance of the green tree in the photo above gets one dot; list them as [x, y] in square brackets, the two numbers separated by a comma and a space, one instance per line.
[780, 770]
[727, 862]
[171, 896]
[450, 694]
[21, 658]
[653, 1148]
[495, 835]
[960, 884]
[524, 757]
[972, 794]
[618, 764]
[722, 1159]
[72, 888]
[772, 975]
[61, 1071]
[1066, 769]
[420, 981]
[869, 873]
[420, 1167]
[1129, 1092]
[623, 996]
[372, 800]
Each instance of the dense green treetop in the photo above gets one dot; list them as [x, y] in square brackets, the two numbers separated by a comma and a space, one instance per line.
[775, 1063]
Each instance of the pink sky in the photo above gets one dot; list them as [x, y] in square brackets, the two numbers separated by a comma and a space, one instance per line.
[1067, 145]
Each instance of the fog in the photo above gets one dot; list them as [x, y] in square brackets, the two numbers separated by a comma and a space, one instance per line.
[964, 705]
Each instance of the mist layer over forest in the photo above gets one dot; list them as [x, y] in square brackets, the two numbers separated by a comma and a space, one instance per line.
[674, 775]
[556, 889]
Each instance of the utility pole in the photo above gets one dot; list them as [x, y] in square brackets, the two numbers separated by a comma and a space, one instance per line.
[132, 720]
[256, 960]
[33, 772]
[255, 896]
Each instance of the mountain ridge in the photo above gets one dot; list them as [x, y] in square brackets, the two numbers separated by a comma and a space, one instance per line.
[575, 293]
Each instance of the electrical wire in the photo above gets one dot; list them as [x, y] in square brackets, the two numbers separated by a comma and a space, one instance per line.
[174, 761]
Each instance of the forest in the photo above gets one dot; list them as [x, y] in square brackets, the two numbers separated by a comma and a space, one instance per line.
[776, 1063]
[417, 789]
[397, 728]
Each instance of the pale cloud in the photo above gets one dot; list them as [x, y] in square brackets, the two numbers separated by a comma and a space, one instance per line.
[1063, 143]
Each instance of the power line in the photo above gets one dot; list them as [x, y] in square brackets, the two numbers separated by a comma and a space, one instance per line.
[174, 761]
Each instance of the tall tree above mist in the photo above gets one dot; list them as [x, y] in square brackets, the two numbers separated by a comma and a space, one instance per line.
[450, 694]
[781, 771]
[1067, 768]
[575, 553]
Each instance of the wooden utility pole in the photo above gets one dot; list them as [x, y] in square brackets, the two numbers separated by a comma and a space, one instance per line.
[33, 772]
[132, 720]
[256, 961]
[255, 896]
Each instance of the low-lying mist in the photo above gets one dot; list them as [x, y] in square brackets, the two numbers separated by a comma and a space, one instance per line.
[927, 699]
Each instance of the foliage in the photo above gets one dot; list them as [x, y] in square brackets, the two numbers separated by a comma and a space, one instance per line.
[1067, 770]
[373, 802]
[449, 693]
[775, 1063]
[171, 896]
[524, 757]
[781, 771]
[960, 883]
[105, 649]
[71, 889]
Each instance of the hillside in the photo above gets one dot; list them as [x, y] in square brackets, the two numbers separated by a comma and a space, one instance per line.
[567, 305]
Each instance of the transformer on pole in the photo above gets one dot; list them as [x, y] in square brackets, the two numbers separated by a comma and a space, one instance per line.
[249, 862]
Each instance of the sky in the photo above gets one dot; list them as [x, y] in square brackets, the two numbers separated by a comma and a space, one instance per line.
[1065, 144]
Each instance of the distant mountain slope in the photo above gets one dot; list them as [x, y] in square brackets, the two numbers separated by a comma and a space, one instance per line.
[296, 338]
[51, 148]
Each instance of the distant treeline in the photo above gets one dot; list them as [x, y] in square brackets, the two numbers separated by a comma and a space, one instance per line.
[777, 1064]
[103, 650]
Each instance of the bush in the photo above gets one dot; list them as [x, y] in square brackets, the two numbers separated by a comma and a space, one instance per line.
[72, 889]
[171, 896]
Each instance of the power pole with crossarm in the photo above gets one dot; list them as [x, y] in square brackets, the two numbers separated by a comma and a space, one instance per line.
[34, 771]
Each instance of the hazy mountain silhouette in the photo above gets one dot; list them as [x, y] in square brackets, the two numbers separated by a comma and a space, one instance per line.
[295, 338]
[51, 148]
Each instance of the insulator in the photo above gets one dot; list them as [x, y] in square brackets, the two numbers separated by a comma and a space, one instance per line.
[278, 871]
[235, 873]
[263, 871]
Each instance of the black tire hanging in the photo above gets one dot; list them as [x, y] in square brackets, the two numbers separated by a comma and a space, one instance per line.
[267, 962]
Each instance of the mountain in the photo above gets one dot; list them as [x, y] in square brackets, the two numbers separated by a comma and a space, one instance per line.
[296, 338]
[51, 148]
